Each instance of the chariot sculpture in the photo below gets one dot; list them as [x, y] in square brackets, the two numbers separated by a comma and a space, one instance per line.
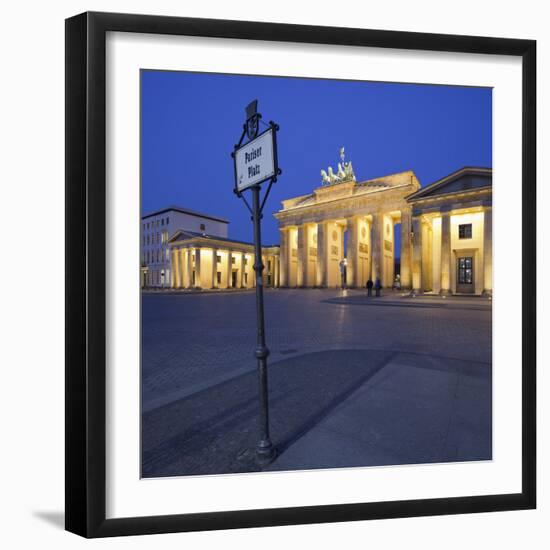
[345, 172]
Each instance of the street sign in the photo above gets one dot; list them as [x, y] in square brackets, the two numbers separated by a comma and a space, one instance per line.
[255, 162]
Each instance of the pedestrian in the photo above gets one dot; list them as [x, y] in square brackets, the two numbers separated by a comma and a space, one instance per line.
[370, 284]
[377, 286]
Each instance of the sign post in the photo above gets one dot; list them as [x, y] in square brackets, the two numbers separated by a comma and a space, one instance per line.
[256, 162]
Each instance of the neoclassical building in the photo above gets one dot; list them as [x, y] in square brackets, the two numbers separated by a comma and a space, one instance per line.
[157, 227]
[349, 230]
[203, 261]
[349, 227]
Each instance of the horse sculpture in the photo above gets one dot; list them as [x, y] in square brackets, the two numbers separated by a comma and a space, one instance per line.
[345, 172]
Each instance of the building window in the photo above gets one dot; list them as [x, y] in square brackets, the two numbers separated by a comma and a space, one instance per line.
[162, 223]
[203, 227]
[218, 258]
[167, 221]
[465, 231]
[232, 260]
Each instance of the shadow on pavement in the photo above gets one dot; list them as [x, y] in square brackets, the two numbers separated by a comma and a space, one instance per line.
[338, 408]
[212, 432]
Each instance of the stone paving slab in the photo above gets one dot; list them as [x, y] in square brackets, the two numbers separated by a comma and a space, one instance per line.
[344, 408]
[349, 385]
[415, 410]
[212, 432]
[192, 341]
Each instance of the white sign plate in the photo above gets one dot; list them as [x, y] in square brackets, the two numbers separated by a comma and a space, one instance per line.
[255, 161]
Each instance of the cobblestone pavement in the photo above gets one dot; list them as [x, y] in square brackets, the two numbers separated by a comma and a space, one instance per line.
[327, 349]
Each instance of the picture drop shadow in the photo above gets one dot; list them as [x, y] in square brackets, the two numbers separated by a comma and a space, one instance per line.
[54, 518]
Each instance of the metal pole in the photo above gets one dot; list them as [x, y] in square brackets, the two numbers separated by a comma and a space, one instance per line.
[265, 452]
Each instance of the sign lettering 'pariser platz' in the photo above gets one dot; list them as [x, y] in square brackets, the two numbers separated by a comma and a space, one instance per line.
[255, 161]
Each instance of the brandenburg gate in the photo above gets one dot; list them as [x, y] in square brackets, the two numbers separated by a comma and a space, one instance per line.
[353, 224]
[346, 219]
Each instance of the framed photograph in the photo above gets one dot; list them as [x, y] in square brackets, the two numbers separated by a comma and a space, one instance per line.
[300, 275]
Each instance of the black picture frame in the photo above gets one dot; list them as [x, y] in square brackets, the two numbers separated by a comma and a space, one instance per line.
[86, 285]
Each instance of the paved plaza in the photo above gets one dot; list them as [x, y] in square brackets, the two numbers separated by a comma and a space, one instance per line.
[354, 381]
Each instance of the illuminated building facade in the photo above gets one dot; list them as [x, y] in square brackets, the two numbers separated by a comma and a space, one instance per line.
[347, 230]
[156, 229]
[201, 261]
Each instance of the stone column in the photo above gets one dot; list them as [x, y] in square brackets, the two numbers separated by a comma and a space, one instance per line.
[198, 278]
[426, 249]
[182, 266]
[229, 270]
[351, 252]
[214, 282]
[301, 276]
[322, 276]
[176, 279]
[238, 265]
[186, 261]
[283, 267]
[406, 249]
[376, 244]
[488, 252]
[240, 278]
[266, 260]
[417, 255]
[445, 253]
[276, 267]
[250, 273]
[430, 257]
[183, 270]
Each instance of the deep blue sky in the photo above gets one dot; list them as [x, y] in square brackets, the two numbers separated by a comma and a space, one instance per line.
[190, 122]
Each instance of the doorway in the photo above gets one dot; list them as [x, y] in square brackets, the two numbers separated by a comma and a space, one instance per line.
[465, 275]
[234, 279]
